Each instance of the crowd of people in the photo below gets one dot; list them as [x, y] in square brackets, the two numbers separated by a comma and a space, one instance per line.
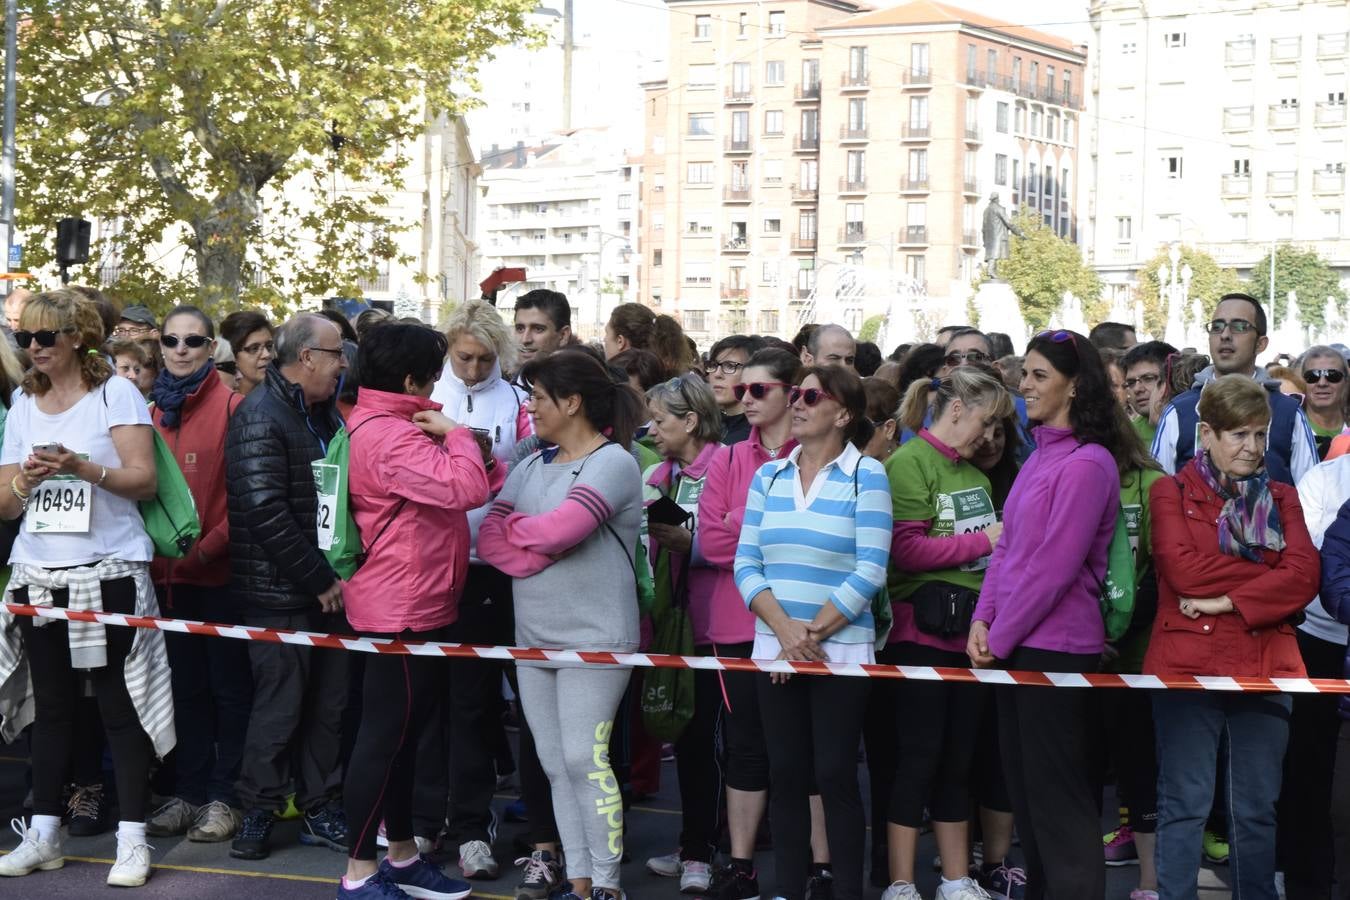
[1091, 504]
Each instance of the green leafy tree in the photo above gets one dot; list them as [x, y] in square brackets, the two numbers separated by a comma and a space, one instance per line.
[1041, 266]
[871, 328]
[1209, 282]
[183, 120]
[1307, 275]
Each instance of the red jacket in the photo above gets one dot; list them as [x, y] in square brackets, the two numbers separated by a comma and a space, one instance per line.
[199, 446]
[1255, 640]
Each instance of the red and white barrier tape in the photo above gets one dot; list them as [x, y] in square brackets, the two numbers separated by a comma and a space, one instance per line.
[716, 663]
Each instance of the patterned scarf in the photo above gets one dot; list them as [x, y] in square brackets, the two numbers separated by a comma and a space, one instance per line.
[1250, 520]
[170, 391]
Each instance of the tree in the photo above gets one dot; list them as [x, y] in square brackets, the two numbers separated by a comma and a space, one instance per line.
[183, 121]
[1209, 282]
[1041, 266]
[871, 328]
[1307, 275]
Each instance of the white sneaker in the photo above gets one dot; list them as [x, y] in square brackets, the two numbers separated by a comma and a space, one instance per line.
[667, 866]
[133, 864]
[902, 890]
[965, 889]
[475, 860]
[32, 853]
[694, 876]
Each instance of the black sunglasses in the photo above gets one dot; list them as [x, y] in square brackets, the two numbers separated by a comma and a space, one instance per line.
[809, 396]
[194, 341]
[757, 389]
[45, 337]
[1332, 376]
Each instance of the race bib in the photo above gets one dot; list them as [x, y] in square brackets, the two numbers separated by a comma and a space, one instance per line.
[60, 505]
[327, 477]
[972, 511]
[1133, 515]
[687, 494]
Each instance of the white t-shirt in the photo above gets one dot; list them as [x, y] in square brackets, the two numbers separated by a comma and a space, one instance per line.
[116, 530]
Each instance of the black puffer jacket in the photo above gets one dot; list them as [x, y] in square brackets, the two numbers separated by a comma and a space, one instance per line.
[275, 562]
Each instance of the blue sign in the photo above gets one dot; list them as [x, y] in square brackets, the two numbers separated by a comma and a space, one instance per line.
[15, 256]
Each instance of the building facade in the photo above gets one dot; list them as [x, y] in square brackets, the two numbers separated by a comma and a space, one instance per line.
[1219, 127]
[794, 136]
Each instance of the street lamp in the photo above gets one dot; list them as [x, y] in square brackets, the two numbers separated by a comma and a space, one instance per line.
[605, 237]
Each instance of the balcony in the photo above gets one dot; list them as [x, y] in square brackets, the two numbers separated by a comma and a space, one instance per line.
[973, 134]
[1333, 46]
[377, 285]
[736, 194]
[735, 292]
[737, 145]
[1239, 53]
[806, 143]
[970, 186]
[735, 243]
[911, 132]
[975, 79]
[1237, 185]
[804, 194]
[913, 184]
[803, 242]
[1329, 114]
[1325, 182]
[914, 235]
[1280, 117]
[807, 93]
[853, 81]
[1238, 118]
[848, 134]
[852, 234]
[1286, 49]
[1281, 183]
[852, 185]
[742, 94]
[917, 78]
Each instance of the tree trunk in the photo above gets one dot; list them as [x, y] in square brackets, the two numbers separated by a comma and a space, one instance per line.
[219, 244]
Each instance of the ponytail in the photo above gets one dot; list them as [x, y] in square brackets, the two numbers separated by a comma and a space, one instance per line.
[668, 342]
[914, 408]
[973, 385]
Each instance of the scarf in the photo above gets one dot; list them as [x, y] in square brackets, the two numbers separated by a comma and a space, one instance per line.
[170, 392]
[1250, 520]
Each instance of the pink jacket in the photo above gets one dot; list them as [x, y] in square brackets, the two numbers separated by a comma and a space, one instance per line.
[702, 577]
[721, 510]
[409, 495]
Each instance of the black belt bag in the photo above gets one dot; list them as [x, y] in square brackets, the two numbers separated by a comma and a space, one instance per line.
[943, 609]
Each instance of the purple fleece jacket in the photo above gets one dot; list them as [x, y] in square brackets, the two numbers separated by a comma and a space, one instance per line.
[1041, 587]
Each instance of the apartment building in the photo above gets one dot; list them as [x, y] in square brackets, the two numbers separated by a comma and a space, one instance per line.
[792, 136]
[1220, 127]
[566, 211]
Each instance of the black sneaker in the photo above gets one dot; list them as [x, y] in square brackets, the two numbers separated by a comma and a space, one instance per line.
[88, 810]
[732, 882]
[820, 886]
[250, 842]
[325, 827]
[542, 878]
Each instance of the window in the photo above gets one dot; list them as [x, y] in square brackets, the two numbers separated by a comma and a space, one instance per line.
[625, 201]
[1174, 40]
[809, 175]
[1331, 222]
[918, 165]
[1284, 223]
[772, 170]
[1049, 82]
[775, 71]
[768, 273]
[740, 78]
[773, 226]
[699, 173]
[916, 215]
[857, 65]
[702, 76]
[990, 65]
[1336, 98]
[972, 63]
[694, 319]
[857, 167]
[1172, 163]
[915, 267]
[806, 224]
[700, 124]
[1035, 76]
[1035, 121]
[1016, 179]
[810, 74]
[1068, 87]
[1020, 120]
[1000, 169]
[918, 112]
[1017, 74]
[777, 23]
[1033, 186]
[773, 121]
[810, 125]
[918, 59]
[658, 182]
[1050, 129]
[740, 176]
[1064, 184]
[698, 224]
[857, 113]
[1068, 129]
[1124, 228]
[740, 127]
[1001, 117]
[1242, 166]
[1129, 48]
[1237, 226]
[742, 24]
[658, 257]
[702, 28]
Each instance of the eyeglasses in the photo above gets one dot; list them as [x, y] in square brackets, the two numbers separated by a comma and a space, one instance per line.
[128, 330]
[1146, 380]
[726, 367]
[1237, 326]
[1058, 337]
[1332, 376]
[956, 357]
[809, 396]
[757, 389]
[337, 352]
[195, 341]
[45, 338]
[255, 349]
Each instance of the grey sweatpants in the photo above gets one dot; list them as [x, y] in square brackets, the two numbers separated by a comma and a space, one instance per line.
[571, 714]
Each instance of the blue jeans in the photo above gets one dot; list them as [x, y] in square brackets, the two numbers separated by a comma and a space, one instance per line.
[1190, 727]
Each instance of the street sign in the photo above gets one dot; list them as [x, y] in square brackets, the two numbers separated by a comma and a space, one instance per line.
[16, 256]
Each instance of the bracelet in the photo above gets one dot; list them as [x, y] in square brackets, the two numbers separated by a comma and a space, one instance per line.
[14, 488]
[103, 476]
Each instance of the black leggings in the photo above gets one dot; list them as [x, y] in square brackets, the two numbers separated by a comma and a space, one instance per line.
[938, 726]
[747, 760]
[56, 692]
[696, 762]
[398, 696]
[1128, 728]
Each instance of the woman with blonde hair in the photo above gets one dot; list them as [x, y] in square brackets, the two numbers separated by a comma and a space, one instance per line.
[77, 457]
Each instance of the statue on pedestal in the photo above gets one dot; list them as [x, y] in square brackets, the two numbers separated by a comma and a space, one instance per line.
[996, 228]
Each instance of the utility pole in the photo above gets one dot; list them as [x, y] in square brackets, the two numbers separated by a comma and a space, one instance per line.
[7, 157]
[567, 65]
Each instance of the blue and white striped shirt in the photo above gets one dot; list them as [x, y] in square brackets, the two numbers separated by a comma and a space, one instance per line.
[830, 545]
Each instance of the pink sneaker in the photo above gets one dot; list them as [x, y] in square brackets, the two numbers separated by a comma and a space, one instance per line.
[1119, 849]
[1143, 895]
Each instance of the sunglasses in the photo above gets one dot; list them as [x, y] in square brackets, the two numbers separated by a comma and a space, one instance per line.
[956, 357]
[1058, 337]
[757, 389]
[45, 338]
[809, 396]
[1332, 376]
[1237, 326]
[195, 341]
